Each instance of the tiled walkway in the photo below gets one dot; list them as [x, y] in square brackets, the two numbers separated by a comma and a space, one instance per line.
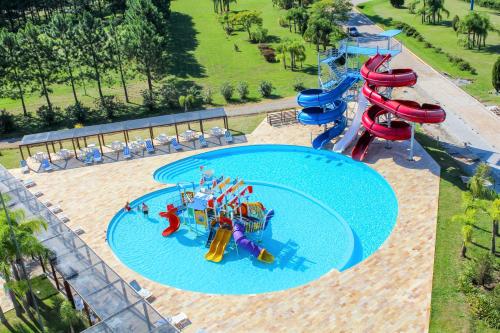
[389, 292]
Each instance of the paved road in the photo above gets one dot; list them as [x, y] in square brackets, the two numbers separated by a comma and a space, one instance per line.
[468, 121]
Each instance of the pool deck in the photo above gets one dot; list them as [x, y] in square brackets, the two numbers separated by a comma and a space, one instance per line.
[388, 292]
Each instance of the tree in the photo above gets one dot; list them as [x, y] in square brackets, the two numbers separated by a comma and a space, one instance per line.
[117, 44]
[247, 19]
[466, 239]
[41, 63]
[455, 23]
[92, 43]
[143, 39]
[62, 34]
[335, 11]
[494, 213]
[69, 316]
[297, 52]
[13, 68]
[476, 26]
[282, 49]
[495, 76]
[318, 31]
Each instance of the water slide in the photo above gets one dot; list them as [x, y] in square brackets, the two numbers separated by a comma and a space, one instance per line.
[323, 107]
[352, 132]
[174, 221]
[255, 250]
[403, 109]
[218, 246]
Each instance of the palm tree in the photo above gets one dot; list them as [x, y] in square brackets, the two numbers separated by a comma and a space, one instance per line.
[494, 213]
[69, 316]
[477, 183]
[282, 49]
[467, 239]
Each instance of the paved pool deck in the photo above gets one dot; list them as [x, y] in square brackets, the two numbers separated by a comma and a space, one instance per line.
[388, 292]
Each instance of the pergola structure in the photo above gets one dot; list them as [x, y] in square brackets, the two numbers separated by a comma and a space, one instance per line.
[77, 270]
[75, 135]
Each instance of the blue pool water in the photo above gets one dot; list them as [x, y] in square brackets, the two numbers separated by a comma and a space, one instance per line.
[331, 213]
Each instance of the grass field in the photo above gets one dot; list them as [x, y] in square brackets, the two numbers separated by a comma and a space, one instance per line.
[449, 310]
[443, 36]
[203, 53]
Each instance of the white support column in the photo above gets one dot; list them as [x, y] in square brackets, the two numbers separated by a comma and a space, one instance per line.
[412, 141]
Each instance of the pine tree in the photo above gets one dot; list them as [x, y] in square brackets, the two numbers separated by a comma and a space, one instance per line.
[40, 63]
[144, 41]
[93, 45]
[14, 74]
[117, 45]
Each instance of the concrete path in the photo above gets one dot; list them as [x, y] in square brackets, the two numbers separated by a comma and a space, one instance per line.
[468, 121]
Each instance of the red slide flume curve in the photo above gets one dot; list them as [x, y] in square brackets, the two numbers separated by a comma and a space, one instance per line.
[381, 105]
[173, 220]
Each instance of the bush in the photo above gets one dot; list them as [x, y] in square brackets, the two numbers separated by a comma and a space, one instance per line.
[77, 112]
[109, 106]
[227, 90]
[243, 90]
[397, 3]
[438, 50]
[485, 307]
[169, 92]
[266, 88]
[464, 66]
[428, 45]
[267, 52]
[207, 96]
[259, 35]
[47, 115]
[283, 22]
[7, 122]
[455, 23]
[298, 85]
[495, 75]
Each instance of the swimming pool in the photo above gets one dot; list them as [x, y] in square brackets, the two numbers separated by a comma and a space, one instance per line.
[331, 213]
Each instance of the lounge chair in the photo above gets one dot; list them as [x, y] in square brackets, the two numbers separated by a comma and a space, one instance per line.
[38, 194]
[97, 155]
[180, 321]
[162, 139]
[63, 218]
[203, 142]
[228, 136]
[56, 209]
[46, 166]
[144, 293]
[176, 144]
[89, 158]
[29, 183]
[149, 146]
[126, 153]
[24, 167]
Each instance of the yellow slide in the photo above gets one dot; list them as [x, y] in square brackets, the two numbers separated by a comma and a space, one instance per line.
[218, 246]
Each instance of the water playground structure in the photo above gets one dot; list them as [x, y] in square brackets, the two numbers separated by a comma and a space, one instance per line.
[340, 75]
[221, 210]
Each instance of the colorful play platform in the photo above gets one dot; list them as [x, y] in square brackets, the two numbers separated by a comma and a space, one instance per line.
[221, 208]
[339, 74]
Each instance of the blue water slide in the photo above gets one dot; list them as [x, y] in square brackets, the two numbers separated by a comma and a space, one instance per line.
[320, 116]
[321, 98]
[329, 134]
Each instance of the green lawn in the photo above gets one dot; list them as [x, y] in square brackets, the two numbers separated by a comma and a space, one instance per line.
[449, 311]
[443, 36]
[49, 310]
[203, 53]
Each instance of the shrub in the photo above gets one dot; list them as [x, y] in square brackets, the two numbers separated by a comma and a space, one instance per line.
[243, 90]
[259, 35]
[428, 45]
[196, 98]
[207, 96]
[464, 66]
[266, 88]
[421, 39]
[109, 106]
[267, 52]
[412, 7]
[397, 3]
[77, 112]
[438, 50]
[227, 90]
[47, 115]
[298, 85]
[485, 307]
[169, 92]
[455, 23]
[283, 22]
[79, 125]
[495, 75]
[7, 122]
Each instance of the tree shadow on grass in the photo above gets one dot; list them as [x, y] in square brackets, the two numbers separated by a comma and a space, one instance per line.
[182, 43]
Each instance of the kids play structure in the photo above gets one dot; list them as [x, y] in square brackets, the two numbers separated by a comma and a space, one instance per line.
[221, 210]
[339, 72]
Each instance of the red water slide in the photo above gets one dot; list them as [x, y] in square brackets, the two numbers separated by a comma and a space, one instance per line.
[403, 109]
[173, 220]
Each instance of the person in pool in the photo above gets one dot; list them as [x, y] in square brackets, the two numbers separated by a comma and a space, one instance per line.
[145, 209]
[127, 207]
